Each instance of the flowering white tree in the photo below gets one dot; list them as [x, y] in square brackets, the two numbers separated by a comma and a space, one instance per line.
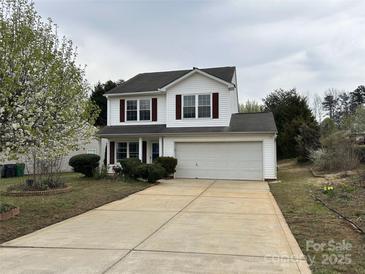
[44, 107]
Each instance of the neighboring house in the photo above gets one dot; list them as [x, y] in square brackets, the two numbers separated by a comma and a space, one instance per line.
[191, 115]
[95, 146]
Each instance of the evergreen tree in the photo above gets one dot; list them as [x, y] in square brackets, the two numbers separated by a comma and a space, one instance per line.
[291, 112]
[343, 107]
[357, 97]
[99, 99]
[330, 102]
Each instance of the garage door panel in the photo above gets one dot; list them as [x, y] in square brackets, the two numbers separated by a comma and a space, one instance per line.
[235, 160]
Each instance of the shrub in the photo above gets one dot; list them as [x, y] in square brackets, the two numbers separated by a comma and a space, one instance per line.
[130, 166]
[150, 172]
[142, 171]
[55, 183]
[85, 163]
[168, 163]
[337, 153]
[41, 185]
[155, 172]
[5, 207]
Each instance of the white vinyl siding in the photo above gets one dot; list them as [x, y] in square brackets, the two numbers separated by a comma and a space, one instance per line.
[114, 105]
[199, 84]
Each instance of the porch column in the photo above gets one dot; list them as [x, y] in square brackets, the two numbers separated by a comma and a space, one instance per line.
[140, 147]
[160, 144]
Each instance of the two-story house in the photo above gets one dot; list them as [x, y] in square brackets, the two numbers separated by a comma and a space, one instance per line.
[193, 116]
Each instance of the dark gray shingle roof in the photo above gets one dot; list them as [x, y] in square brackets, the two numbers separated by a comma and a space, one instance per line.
[154, 80]
[240, 122]
[255, 122]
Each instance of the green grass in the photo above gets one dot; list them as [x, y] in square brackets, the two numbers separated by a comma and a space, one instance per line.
[39, 211]
[310, 221]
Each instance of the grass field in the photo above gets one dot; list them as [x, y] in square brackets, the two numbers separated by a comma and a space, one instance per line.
[311, 223]
[39, 211]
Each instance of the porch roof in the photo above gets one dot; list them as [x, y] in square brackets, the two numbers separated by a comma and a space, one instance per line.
[262, 122]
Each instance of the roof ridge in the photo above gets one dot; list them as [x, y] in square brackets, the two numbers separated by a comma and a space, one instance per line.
[180, 70]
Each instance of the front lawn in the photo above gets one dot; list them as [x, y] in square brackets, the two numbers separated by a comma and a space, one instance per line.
[39, 211]
[322, 236]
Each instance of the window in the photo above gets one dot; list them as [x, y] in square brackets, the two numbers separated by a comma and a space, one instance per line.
[189, 106]
[204, 106]
[144, 110]
[131, 110]
[155, 151]
[121, 151]
[91, 151]
[133, 150]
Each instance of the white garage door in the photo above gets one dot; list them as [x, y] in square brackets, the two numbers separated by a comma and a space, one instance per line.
[236, 160]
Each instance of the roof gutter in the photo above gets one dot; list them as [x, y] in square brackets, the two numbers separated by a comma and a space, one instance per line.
[185, 133]
[135, 93]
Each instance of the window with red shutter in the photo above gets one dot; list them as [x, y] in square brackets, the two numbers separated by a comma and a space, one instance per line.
[215, 105]
[154, 109]
[178, 107]
[122, 110]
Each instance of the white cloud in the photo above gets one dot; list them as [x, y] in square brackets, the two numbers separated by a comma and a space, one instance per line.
[310, 45]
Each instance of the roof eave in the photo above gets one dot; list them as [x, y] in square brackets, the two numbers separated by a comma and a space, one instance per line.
[196, 70]
[135, 93]
[185, 133]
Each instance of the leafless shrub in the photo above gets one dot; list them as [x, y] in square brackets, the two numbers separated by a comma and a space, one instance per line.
[338, 153]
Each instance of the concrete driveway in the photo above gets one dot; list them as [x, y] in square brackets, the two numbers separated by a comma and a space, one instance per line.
[178, 226]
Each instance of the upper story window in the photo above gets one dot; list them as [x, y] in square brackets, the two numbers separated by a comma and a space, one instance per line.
[189, 106]
[197, 106]
[138, 110]
[132, 112]
[144, 110]
[204, 106]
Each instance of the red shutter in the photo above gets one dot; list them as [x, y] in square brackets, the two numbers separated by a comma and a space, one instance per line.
[122, 110]
[215, 105]
[111, 152]
[154, 109]
[178, 107]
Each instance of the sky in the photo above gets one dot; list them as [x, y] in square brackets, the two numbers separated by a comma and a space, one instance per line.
[308, 45]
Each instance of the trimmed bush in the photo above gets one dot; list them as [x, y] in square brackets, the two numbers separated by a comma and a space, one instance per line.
[142, 171]
[130, 167]
[168, 163]
[85, 163]
[150, 172]
[155, 172]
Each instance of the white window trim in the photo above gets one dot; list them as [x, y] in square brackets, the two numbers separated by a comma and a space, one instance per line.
[150, 109]
[138, 108]
[116, 148]
[126, 110]
[197, 106]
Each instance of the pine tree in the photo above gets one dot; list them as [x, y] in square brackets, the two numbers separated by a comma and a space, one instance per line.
[357, 97]
[330, 102]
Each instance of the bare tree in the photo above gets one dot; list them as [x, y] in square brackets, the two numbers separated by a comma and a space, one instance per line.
[317, 107]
